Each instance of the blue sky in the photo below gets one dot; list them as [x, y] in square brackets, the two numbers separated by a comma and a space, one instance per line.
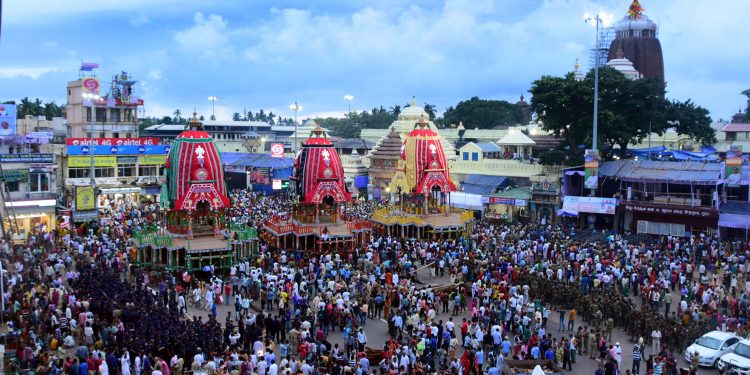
[264, 54]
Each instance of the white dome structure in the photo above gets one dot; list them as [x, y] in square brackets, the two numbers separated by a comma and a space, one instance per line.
[624, 66]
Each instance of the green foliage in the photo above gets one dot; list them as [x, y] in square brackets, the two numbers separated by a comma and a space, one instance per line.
[36, 107]
[627, 110]
[352, 124]
[482, 114]
[747, 107]
[552, 157]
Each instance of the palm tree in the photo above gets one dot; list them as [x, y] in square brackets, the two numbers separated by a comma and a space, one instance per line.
[395, 110]
[202, 118]
[430, 109]
[236, 116]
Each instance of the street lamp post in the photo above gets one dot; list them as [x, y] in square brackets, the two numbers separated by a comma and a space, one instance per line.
[92, 99]
[597, 19]
[213, 100]
[349, 99]
[296, 108]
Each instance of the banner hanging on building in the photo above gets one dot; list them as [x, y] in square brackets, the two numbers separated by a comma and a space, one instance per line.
[7, 120]
[594, 205]
[591, 179]
[734, 166]
[152, 159]
[85, 198]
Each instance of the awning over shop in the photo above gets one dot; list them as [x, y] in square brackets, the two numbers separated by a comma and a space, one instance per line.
[482, 184]
[733, 214]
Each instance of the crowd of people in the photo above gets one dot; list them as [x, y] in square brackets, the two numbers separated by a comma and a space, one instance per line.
[77, 302]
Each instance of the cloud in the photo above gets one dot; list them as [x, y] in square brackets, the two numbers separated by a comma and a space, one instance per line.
[139, 20]
[27, 72]
[207, 37]
[155, 74]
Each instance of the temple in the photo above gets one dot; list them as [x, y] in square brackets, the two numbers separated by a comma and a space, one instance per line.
[637, 41]
[317, 221]
[420, 190]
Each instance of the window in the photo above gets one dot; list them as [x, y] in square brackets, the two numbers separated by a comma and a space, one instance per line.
[126, 170]
[78, 172]
[114, 115]
[38, 182]
[147, 170]
[101, 114]
[475, 156]
[104, 172]
[466, 156]
[12, 186]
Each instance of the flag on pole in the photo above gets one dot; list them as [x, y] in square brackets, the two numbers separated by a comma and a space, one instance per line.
[89, 66]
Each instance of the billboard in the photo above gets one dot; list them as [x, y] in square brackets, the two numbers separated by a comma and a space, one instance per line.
[119, 150]
[734, 166]
[592, 205]
[7, 120]
[277, 150]
[90, 85]
[149, 141]
[85, 198]
[591, 179]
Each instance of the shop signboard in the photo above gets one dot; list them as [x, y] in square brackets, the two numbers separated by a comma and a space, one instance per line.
[591, 179]
[593, 205]
[85, 161]
[12, 175]
[277, 150]
[26, 158]
[119, 150]
[42, 167]
[81, 216]
[697, 212]
[276, 184]
[734, 166]
[7, 120]
[85, 198]
[147, 141]
[126, 159]
[506, 201]
[152, 159]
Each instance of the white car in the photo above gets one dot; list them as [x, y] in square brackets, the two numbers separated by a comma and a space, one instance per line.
[737, 361]
[711, 346]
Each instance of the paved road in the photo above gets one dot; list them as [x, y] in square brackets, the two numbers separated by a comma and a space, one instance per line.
[377, 334]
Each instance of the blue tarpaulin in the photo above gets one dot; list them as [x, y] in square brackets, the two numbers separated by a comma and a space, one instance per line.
[483, 184]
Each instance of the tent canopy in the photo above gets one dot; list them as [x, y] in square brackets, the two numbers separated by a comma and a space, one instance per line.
[679, 172]
[483, 184]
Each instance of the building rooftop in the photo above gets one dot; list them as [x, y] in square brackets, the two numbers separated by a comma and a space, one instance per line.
[736, 127]
[516, 138]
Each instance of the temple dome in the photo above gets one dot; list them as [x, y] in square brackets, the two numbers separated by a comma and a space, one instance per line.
[194, 172]
[318, 171]
[413, 112]
[624, 66]
[422, 163]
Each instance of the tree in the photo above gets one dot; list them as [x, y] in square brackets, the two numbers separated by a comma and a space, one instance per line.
[177, 115]
[395, 110]
[691, 120]
[166, 120]
[236, 116]
[747, 107]
[430, 109]
[562, 105]
[202, 118]
[482, 114]
[271, 121]
[628, 110]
